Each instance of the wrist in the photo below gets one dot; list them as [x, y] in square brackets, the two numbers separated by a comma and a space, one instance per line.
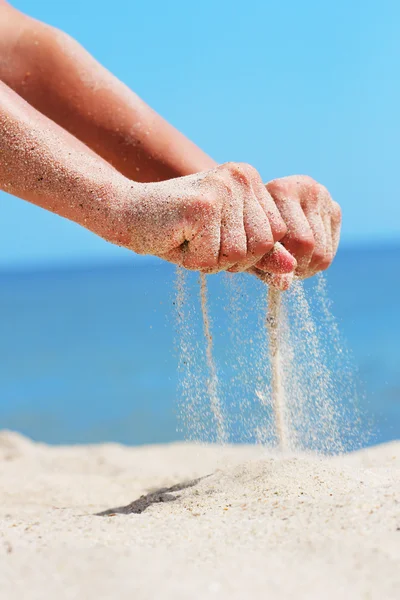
[107, 209]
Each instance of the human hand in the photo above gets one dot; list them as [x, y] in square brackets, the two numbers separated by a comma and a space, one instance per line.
[222, 219]
[313, 222]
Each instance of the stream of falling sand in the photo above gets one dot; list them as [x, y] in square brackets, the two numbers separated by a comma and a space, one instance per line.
[293, 388]
[277, 390]
[212, 383]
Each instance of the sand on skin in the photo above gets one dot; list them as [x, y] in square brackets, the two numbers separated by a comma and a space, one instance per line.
[260, 526]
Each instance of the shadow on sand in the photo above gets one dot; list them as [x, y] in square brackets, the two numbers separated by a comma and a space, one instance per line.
[161, 495]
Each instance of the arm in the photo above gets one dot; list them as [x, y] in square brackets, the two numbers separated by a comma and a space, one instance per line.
[90, 102]
[42, 163]
[219, 219]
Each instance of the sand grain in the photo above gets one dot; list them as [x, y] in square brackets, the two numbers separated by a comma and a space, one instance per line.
[261, 525]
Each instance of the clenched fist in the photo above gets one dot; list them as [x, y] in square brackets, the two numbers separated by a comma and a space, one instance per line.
[313, 223]
[222, 219]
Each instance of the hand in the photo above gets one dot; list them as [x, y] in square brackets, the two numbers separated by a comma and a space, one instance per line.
[223, 219]
[313, 222]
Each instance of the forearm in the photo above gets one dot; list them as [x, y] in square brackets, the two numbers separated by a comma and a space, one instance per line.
[60, 79]
[42, 163]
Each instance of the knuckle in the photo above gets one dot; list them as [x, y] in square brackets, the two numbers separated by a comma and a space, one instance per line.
[249, 169]
[307, 181]
[280, 187]
[231, 167]
[206, 203]
[242, 172]
[292, 183]
[222, 184]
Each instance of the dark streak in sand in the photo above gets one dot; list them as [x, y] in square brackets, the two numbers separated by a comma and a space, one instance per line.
[141, 504]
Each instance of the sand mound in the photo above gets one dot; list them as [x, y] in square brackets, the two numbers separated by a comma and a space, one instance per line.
[254, 525]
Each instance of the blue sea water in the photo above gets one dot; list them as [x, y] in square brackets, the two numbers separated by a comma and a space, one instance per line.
[89, 354]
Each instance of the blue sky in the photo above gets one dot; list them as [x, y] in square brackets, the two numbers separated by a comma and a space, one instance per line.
[295, 86]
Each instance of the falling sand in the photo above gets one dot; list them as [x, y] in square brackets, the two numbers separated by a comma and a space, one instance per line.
[201, 412]
[277, 391]
[213, 377]
[189, 521]
[291, 387]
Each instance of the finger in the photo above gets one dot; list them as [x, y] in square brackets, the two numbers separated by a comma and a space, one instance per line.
[326, 218]
[336, 221]
[280, 282]
[335, 235]
[248, 176]
[317, 227]
[299, 240]
[278, 261]
[258, 233]
[233, 236]
[327, 260]
[257, 228]
[277, 224]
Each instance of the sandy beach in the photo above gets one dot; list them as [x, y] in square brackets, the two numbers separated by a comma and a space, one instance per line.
[255, 525]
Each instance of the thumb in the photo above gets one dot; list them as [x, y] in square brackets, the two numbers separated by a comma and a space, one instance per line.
[278, 261]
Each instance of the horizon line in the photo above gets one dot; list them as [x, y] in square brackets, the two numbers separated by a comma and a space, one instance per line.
[137, 261]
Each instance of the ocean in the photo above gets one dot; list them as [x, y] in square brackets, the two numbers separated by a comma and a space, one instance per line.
[90, 354]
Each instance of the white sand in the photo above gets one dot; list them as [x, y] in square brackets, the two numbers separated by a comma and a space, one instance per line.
[262, 527]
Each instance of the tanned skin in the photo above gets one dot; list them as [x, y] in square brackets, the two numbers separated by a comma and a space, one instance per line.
[76, 141]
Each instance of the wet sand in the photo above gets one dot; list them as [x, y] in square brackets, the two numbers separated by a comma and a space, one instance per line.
[255, 525]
